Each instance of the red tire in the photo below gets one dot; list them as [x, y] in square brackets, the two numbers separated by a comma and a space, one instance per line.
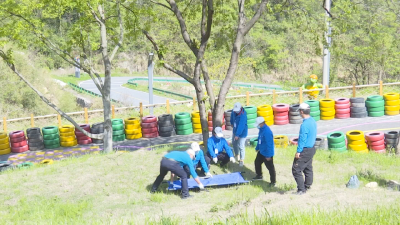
[209, 118]
[223, 127]
[294, 140]
[281, 118]
[381, 151]
[281, 113]
[375, 136]
[151, 135]
[85, 126]
[85, 142]
[149, 130]
[20, 149]
[210, 124]
[209, 113]
[343, 111]
[281, 122]
[149, 125]
[17, 139]
[375, 143]
[82, 138]
[17, 134]
[378, 147]
[342, 106]
[280, 107]
[342, 101]
[149, 119]
[19, 144]
[79, 134]
[342, 116]
[210, 129]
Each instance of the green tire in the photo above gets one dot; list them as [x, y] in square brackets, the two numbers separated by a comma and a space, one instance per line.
[182, 115]
[314, 108]
[342, 149]
[337, 145]
[118, 137]
[373, 104]
[51, 142]
[316, 118]
[183, 121]
[50, 130]
[251, 116]
[374, 98]
[376, 114]
[336, 137]
[116, 121]
[50, 136]
[312, 103]
[184, 126]
[184, 132]
[376, 109]
[251, 121]
[118, 132]
[253, 141]
[52, 146]
[250, 110]
[251, 125]
[119, 126]
[315, 113]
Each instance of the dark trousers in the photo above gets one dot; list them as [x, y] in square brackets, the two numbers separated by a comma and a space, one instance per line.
[198, 165]
[167, 165]
[260, 159]
[222, 157]
[304, 165]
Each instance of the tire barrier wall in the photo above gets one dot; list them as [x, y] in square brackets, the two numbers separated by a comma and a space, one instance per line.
[281, 114]
[342, 108]
[118, 130]
[67, 136]
[327, 108]
[35, 139]
[357, 108]
[251, 112]
[81, 137]
[183, 123]
[266, 112]
[166, 126]
[51, 137]
[294, 114]
[314, 109]
[227, 114]
[210, 122]
[392, 104]
[356, 141]
[5, 147]
[133, 129]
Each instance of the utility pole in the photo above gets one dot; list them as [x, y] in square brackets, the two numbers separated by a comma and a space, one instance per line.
[150, 68]
[327, 54]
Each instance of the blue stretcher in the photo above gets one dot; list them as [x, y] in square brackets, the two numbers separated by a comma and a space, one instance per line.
[216, 180]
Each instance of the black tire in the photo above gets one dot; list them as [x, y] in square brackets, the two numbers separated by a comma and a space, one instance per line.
[166, 123]
[294, 107]
[228, 123]
[359, 115]
[358, 109]
[295, 118]
[392, 134]
[35, 144]
[35, 136]
[228, 128]
[357, 100]
[97, 141]
[166, 134]
[317, 144]
[166, 129]
[294, 113]
[228, 113]
[320, 140]
[295, 121]
[41, 147]
[227, 118]
[98, 125]
[97, 130]
[165, 117]
[358, 105]
[35, 140]
[391, 141]
[33, 130]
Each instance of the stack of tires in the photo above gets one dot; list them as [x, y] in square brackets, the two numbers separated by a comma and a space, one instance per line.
[375, 106]
[196, 123]
[392, 139]
[337, 142]
[357, 108]
[82, 138]
[132, 128]
[4, 144]
[342, 108]
[210, 122]
[228, 125]
[319, 143]
[392, 104]
[253, 141]
[281, 141]
[356, 141]
[18, 141]
[35, 139]
[150, 127]
[294, 141]
[166, 125]
[51, 137]
[251, 112]
[118, 130]
[327, 108]
[376, 142]
[67, 136]
[314, 109]
[294, 114]
[97, 128]
[281, 114]
[266, 112]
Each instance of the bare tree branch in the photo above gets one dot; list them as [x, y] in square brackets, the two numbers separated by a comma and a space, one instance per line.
[165, 6]
[255, 18]
[121, 33]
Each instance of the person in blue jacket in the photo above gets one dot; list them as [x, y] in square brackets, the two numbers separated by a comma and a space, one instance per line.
[239, 134]
[265, 151]
[175, 161]
[218, 148]
[199, 161]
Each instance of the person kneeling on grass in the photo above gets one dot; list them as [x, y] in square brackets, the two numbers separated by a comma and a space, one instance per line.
[265, 151]
[218, 148]
[174, 162]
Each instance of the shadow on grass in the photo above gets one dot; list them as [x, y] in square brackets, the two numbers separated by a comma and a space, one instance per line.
[370, 176]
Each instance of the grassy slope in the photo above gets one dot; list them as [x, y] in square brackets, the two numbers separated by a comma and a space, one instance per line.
[159, 93]
[114, 189]
[72, 79]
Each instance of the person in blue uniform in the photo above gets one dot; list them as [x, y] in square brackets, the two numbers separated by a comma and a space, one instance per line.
[218, 148]
[239, 133]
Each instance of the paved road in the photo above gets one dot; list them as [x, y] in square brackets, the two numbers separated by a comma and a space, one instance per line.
[125, 95]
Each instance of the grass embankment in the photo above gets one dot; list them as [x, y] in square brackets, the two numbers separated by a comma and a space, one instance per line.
[113, 189]
[84, 76]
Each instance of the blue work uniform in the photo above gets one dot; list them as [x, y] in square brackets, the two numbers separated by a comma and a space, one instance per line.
[308, 134]
[200, 158]
[265, 142]
[239, 123]
[219, 148]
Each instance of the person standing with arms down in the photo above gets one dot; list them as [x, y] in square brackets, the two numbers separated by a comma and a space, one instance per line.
[239, 134]
[265, 151]
[305, 151]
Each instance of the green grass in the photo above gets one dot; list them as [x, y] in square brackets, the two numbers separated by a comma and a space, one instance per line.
[84, 76]
[113, 189]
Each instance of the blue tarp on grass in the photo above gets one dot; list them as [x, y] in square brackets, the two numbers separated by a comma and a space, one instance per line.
[216, 180]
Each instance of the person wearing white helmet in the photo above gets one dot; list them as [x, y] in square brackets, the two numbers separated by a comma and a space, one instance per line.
[218, 148]
[239, 133]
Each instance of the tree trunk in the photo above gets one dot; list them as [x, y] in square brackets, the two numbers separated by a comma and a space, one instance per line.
[108, 144]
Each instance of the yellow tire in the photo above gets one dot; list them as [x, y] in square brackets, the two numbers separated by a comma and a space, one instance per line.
[196, 120]
[196, 126]
[263, 108]
[392, 103]
[391, 96]
[264, 113]
[327, 103]
[133, 131]
[327, 117]
[363, 151]
[270, 122]
[361, 147]
[69, 143]
[132, 126]
[66, 129]
[132, 121]
[392, 113]
[4, 140]
[392, 108]
[355, 135]
[197, 131]
[196, 114]
[328, 114]
[67, 134]
[5, 151]
[133, 136]
[47, 161]
[268, 118]
[4, 146]
[327, 109]
[281, 140]
[358, 142]
[3, 135]
[67, 138]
